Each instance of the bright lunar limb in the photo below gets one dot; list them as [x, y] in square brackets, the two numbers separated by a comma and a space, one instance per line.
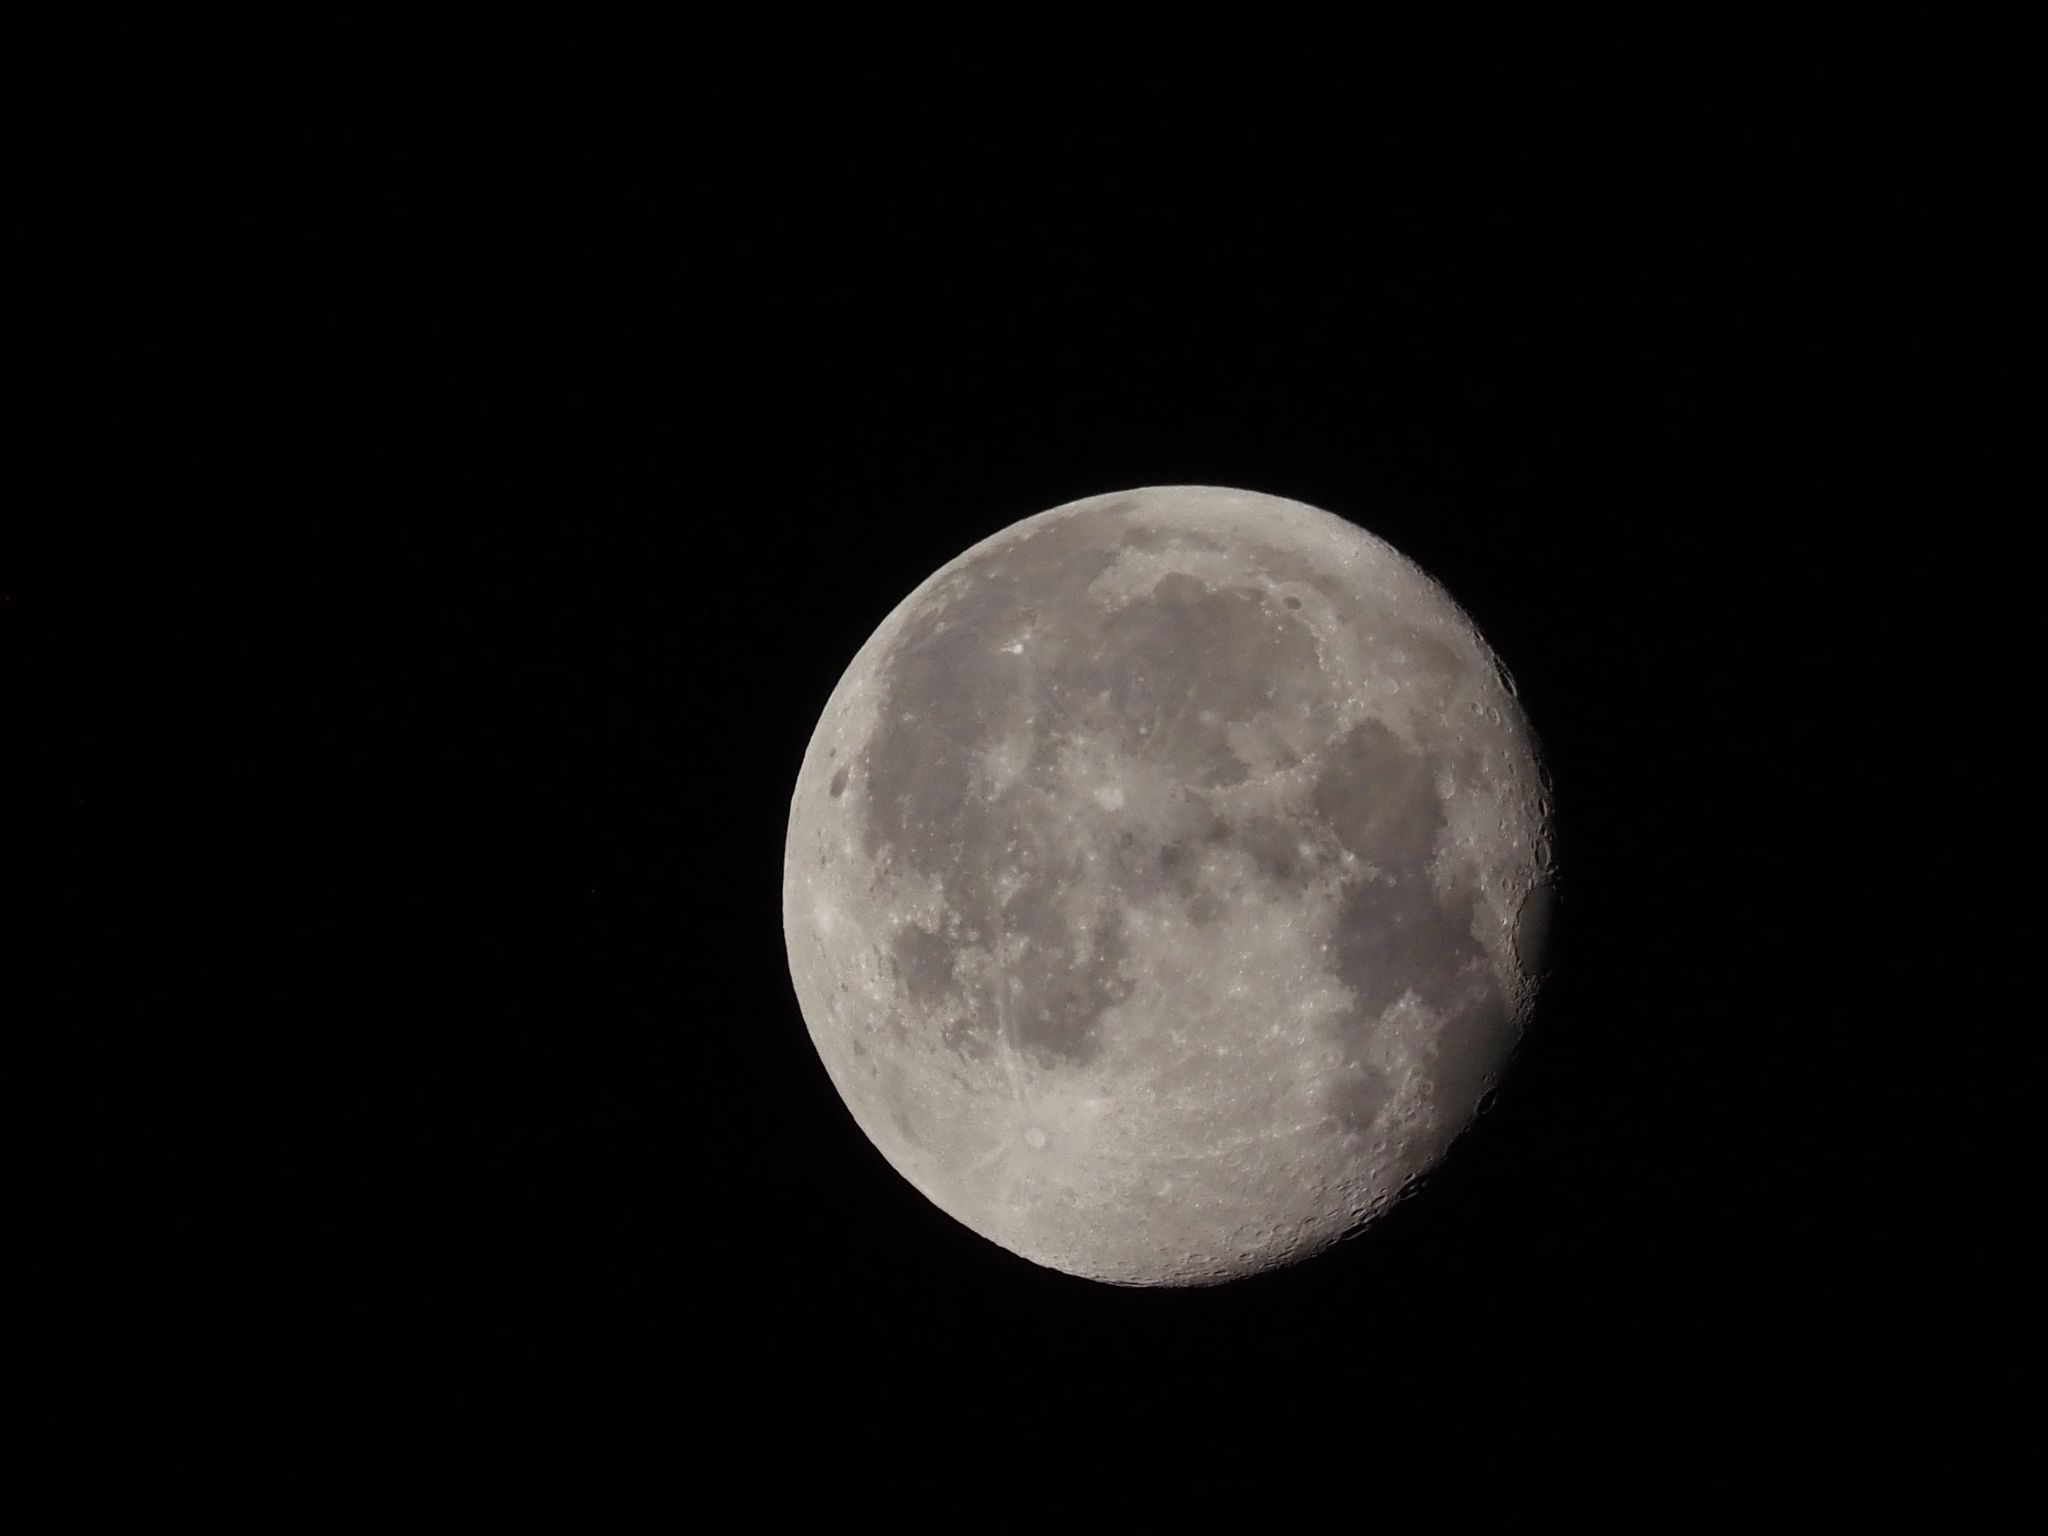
[1165, 882]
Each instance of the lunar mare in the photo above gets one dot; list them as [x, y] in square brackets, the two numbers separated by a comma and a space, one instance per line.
[1164, 883]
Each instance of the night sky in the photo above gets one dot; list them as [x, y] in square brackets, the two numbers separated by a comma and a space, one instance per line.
[577, 472]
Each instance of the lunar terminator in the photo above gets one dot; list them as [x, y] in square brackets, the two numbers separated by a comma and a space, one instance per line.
[1165, 881]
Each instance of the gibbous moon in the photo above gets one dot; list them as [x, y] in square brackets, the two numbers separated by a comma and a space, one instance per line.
[1165, 882]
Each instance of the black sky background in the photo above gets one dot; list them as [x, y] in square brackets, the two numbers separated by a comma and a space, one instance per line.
[567, 481]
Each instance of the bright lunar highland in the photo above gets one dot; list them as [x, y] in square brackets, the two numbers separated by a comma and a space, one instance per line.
[1165, 883]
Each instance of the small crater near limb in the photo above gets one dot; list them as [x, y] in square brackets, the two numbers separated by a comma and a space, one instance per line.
[838, 785]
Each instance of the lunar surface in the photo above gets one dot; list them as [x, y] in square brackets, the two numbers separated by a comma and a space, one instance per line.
[1165, 881]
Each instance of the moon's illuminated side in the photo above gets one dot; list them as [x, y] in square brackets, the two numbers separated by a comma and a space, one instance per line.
[1164, 882]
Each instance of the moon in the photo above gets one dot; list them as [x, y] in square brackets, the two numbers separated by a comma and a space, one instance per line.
[1165, 883]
